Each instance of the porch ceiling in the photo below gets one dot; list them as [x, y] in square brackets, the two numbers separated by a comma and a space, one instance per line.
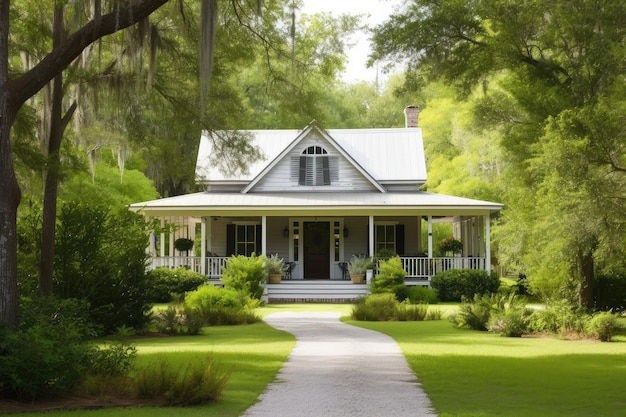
[314, 204]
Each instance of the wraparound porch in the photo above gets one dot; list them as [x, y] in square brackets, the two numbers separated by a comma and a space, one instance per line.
[419, 269]
[318, 233]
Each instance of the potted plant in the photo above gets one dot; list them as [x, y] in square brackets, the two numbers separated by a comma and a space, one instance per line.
[357, 267]
[274, 266]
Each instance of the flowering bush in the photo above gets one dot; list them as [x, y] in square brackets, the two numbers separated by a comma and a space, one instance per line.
[451, 244]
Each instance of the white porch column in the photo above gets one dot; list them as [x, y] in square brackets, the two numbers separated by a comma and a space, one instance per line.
[371, 236]
[419, 234]
[263, 235]
[162, 237]
[203, 246]
[488, 243]
[172, 235]
[430, 236]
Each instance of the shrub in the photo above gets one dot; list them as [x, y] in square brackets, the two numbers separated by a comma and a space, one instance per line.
[375, 307]
[454, 284]
[169, 321]
[166, 283]
[197, 382]
[434, 314]
[245, 274]
[411, 312]
[390, 278]
[419, 294]
[384, 254]
[100, 256]
[46, 356]
[510, 322]
[211, 305]
[559, 317]
[602, 326]
[116, 359]
[473, 315]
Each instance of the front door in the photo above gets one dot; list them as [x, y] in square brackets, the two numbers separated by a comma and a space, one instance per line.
[317, 250]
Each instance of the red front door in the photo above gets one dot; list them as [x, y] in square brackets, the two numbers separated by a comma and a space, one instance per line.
[316, 250]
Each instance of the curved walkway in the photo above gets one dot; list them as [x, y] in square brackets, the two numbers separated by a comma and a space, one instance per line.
[340, 370]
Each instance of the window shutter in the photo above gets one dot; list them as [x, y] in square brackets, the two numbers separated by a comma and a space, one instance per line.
[258, 239]
[294, 169]
[230, 239]
[302, 177]
[400, 239]
[333, 163]
[326, 170]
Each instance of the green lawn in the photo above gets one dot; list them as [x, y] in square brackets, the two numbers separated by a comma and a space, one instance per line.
[469, 373]
[252, 353]
[465, 373]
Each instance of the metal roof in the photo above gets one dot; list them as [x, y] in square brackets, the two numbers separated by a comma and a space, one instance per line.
[388, 155]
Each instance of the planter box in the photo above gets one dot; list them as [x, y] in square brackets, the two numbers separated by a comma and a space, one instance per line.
[357, 278]
[274, 278]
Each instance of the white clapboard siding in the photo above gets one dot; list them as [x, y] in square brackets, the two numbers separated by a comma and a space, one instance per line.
[284, 175]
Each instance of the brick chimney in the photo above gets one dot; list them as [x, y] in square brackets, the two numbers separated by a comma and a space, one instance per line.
[411, 114]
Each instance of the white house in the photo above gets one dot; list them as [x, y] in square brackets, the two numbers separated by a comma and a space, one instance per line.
[316, 198]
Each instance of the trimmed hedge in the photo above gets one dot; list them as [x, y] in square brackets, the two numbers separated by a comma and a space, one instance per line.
[456, 284]
[169, 282]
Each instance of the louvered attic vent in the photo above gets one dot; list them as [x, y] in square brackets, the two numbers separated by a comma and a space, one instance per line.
[314, 167]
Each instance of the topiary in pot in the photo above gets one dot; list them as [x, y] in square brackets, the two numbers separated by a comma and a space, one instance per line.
[183, 244]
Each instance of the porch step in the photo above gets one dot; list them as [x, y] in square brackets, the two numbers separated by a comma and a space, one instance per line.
[326, 291]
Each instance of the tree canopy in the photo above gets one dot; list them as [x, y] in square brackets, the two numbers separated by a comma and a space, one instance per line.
[546, 79]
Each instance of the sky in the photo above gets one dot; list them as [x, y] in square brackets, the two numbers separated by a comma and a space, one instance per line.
[375, 11]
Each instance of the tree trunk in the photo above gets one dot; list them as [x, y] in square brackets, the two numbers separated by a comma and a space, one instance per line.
[51, 171]
[587, 277]
[10, 194]
[13, 93]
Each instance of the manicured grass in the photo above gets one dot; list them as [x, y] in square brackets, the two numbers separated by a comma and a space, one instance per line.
[469, 373]
[252, 353]
[465, 373]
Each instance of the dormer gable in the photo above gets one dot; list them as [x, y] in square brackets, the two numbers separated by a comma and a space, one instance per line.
[313, 162]
[379, 160]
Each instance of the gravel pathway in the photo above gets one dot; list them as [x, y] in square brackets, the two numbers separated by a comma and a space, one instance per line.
[340, 370]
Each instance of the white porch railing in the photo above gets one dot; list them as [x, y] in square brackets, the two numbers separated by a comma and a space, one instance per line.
[191, 262]
[416, 267]
[213, 268]
[424, 268]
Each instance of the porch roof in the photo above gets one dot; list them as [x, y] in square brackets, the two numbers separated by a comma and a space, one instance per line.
[315, 204]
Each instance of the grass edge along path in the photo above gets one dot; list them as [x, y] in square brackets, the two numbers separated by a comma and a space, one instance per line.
[477, 374]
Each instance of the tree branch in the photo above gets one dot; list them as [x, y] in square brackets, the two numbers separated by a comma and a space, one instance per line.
[21, 89]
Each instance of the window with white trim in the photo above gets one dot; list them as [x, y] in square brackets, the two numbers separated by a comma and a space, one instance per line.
[385, 237]
[245, 239]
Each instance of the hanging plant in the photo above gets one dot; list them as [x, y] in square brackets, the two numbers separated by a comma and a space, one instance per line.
[451, 244]
[183, 244]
